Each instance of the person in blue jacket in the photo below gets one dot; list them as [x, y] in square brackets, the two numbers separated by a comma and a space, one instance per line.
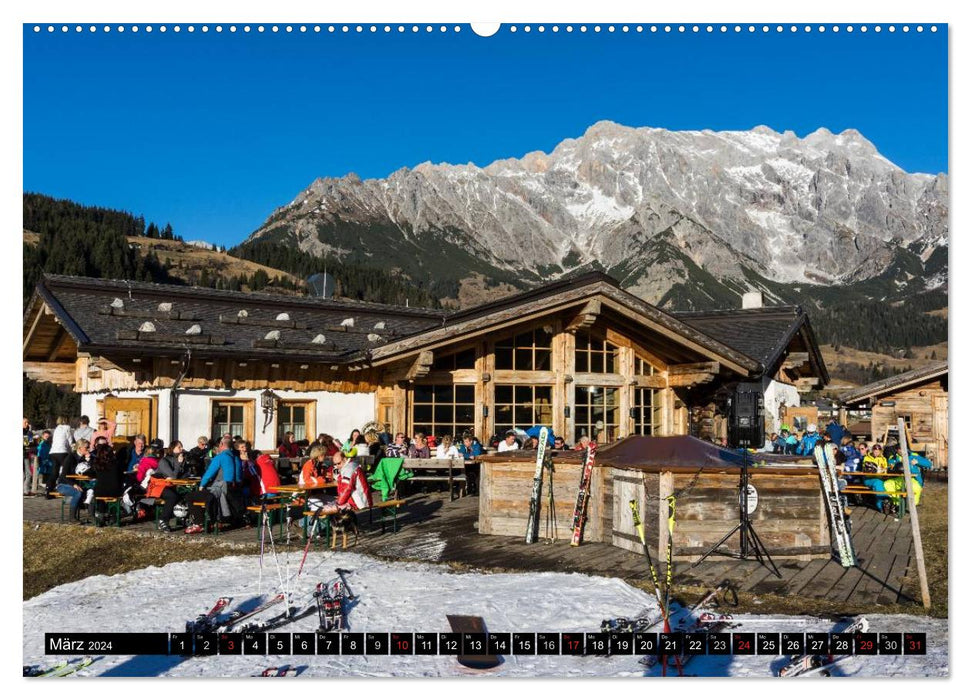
[225, 472]
[809, 440]
[835, 431]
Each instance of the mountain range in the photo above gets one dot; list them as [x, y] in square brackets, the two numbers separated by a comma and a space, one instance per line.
[685, 219]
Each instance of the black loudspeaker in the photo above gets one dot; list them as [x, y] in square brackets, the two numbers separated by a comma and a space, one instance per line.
[746, 416]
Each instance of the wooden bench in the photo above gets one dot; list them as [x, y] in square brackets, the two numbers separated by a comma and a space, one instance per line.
[430, 470]
[272, 505]
[111, 503]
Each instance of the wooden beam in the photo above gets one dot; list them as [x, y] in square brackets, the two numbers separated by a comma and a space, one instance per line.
[912, 512]
[694, 368]
[804, 384]
[54, 372]
[421, 366]
[586, 318]
[690, 379]
[795, 360]
[33, 326]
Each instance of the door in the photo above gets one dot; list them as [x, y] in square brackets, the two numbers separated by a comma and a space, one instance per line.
[939, 430]
[132, 417]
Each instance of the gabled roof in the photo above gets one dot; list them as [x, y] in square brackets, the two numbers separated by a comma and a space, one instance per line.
[84, 308]
[565, 293]
[763, 333]
[748, 342]
[895, 383]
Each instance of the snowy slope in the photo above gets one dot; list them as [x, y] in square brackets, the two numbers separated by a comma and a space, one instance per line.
[404, 597]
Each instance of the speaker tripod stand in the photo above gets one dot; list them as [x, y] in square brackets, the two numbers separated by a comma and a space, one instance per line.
[749, 543]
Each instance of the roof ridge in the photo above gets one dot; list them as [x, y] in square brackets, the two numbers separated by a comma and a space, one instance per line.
[315, 302]
[795, 308]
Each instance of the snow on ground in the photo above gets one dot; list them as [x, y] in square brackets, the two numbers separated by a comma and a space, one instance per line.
[409, 597]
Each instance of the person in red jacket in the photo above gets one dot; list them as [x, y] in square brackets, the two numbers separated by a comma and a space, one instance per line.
[288, 448]
[262, 476]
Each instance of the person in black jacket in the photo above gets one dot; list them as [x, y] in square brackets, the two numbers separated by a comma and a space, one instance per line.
[174, 465]
[67, 486]
[197, 458]
[107, 468]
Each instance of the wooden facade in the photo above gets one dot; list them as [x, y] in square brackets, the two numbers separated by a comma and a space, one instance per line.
[580, 355]
[920, 397]
[790, 517]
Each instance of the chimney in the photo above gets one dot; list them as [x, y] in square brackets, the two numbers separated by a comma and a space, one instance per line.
[752, 300]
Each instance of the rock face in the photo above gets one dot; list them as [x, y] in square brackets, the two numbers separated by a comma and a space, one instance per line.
[655, 208]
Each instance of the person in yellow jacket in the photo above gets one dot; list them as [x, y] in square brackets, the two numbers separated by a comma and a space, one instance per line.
[876, 463]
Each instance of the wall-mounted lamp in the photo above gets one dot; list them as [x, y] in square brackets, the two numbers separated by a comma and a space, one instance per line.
[486, 377]
[567, 378]
[485, 411]
[566, 411]
[633, 413]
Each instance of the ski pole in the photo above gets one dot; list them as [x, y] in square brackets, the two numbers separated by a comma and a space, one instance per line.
[657, 588]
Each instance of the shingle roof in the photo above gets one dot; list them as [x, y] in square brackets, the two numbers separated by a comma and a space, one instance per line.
[896, 382]
[272, 324]
[763, 333]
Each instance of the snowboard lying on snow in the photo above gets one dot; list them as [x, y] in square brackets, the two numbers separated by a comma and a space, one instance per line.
[463, 624]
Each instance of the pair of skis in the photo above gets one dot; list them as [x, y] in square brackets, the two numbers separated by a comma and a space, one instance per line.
[839, 526]
[206, 621]
[532, 523]
[59, 670]
[804, 664]
[583, 495]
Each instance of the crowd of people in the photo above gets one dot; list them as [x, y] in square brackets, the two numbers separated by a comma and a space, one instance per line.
[861, 462]
[219, 476]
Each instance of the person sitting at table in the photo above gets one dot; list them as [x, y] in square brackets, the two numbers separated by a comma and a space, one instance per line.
[352, 440]
[419, 448]
[314, 470]
[353, 491]
[107, 470]
[508, 443]
[287, 447]
[174, 465]
[261, 476]
[222, 476]
[373, 447]
[398, 447]
[559, 443]
[876, 463]
[198, 456]
[470, 448]
[67, 486]
[446, 450]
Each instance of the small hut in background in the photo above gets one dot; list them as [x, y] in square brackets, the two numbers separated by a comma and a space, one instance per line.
[919, 397]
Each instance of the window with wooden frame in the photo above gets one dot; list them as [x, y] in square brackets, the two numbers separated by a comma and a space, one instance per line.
[647, 411]
[463, 359]
[233, 417]
[522, 406]
[643, 368]
[596, 411]
[531, 351]
[443, 409]
[596, 355]
[297, 417]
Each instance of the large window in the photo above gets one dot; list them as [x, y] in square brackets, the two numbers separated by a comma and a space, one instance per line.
[443, 409]
[294, 417]
[233, 417]
[463, 359]
[647, 411]
[523, 407]
[596, 355]
[597, 411]
[530, 351]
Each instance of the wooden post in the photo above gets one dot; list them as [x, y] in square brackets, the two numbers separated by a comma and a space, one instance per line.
[925, 593]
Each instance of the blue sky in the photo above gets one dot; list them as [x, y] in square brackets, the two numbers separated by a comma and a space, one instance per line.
[212, 131]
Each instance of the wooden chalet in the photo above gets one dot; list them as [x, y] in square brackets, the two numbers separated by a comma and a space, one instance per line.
[579, 354]
[920, 397]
